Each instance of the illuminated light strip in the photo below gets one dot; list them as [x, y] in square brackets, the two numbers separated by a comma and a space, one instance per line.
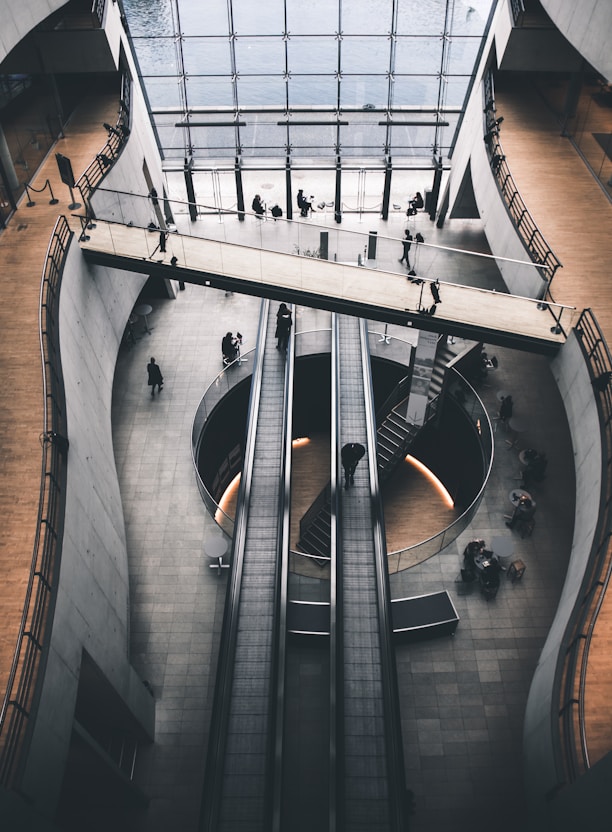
[433, 480]
[230, 492]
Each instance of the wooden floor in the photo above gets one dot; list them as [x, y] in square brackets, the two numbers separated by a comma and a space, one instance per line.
[575, 217]
[23, 245]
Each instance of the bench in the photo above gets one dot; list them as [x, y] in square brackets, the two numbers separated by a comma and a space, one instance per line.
[424, 616]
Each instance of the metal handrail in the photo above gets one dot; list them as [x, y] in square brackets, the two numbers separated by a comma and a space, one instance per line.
[91, 177]
[23, 688]
[533, 239]
[570, 677]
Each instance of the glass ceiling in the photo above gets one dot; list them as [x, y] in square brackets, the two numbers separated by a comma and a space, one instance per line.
[314, 81]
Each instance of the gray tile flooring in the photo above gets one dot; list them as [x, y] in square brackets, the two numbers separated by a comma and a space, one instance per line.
[462, 698]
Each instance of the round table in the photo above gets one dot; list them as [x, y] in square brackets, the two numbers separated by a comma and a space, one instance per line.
[517, 426]
[516, 494]
[143, 310]
[503, 547]
[214, 548]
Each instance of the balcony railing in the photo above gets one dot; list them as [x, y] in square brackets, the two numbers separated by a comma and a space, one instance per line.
[23, 687]
[539, 250]
[571, 673]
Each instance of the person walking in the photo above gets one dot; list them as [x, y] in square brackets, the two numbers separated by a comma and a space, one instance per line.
[155, 377]
[506, 409]
[283, 327]
[350, 455]
[406, 246]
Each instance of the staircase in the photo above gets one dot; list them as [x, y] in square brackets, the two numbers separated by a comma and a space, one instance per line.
[394, 436]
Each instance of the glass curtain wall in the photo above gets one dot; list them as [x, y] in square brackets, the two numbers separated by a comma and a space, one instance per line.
[356, 84]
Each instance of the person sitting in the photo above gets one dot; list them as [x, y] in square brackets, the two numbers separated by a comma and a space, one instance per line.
[474, 547]
[276, 211]
[258, 206]
[303, 204]
[416, 203]
[523, 512]
[535, 470]
[229, 348]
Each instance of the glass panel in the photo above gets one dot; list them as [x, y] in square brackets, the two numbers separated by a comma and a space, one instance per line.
[412, 137]
[428, 21]
[210, 92]
[157, 57]
[163, 92]
[258, 18]
[207, 56]
[318, 136]
[316, 55]
[261, 92]
[418, 55]
[313, 91]
[149, 19]
[462, 55]
[456, 89]
[365, 55]
[260, 55]
[169, 135]
[263, 133]
[317, 17]
[363, 91]
[362, 190]
[195, 20]
[374, 17]
[415, 90]
[212, 138]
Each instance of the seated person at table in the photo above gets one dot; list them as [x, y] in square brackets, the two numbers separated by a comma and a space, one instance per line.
[416, 203]
[258, 206]
[229, 348]
[524, 511]
[535, 470]
[303, 204]
[474, 547]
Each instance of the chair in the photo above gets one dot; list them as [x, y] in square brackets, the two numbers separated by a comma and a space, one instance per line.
[489, 584]
[516, 570]
[525, 525]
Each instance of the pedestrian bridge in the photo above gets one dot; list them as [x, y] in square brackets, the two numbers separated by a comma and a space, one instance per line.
[463, 311]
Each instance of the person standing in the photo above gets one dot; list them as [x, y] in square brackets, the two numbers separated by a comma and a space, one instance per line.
[163, 236]
[155, 377]
[406, 246]
[350, 455]
[506, 408]
[229, 348]
[283, 327]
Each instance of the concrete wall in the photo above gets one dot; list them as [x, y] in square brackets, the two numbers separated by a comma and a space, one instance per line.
[19, 18]
[587, 24]
[573, 381]
[92, 610]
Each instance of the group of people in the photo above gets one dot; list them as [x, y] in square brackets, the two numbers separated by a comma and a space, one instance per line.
[480, 562]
